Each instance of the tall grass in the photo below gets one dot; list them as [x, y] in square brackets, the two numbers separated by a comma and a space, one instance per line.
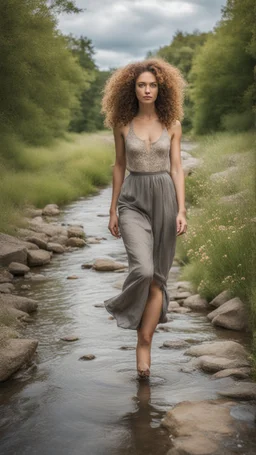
[219, 247]
[73, 167]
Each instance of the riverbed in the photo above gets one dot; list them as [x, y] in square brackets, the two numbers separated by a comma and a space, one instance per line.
[63, 405]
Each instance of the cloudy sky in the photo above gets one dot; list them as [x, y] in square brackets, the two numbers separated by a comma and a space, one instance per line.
[125, 30]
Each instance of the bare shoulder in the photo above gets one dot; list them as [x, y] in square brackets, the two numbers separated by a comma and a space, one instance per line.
[120, 131]
[175, 130]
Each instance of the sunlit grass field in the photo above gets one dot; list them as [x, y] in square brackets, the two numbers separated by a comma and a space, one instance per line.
[219, 248]
[72, 167]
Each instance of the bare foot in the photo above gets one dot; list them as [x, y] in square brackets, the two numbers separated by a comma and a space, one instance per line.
[143, 371]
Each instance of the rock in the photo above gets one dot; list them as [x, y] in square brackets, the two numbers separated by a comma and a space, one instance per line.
[60, 239]
[31, 246]
[38, 258]
[239, 373]
[76, 242]
[12, 250]
[15, 354]
[6, 288]
[99, 305]
[87, 357]
[76, 232]
[229, 349]
[111, 318]
[41, 241]
[128, 348]
[237, 158]
[195, 302]
[182, 295]
[55, 248]
[87, 265]
[172, 305]
[51, 230]
[221, 298]
[20, 303]
[70, 338]
[174, 344]
[181, 310]
[106, 265]
[9, 315]
[35, 277]
[32, 212]
[25, 286]
[189, 165]
[185, 286]
[185, 155]
[227, 174]
[231, 199]
[242, 391]
[118, 284]
[92, 240]
[231, 315]
[198, 427]
[72, 277]
[51, 210]
[211, 364]
[5, 276]
[17, 269]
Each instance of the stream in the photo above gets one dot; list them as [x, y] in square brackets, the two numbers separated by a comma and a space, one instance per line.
[61, 405]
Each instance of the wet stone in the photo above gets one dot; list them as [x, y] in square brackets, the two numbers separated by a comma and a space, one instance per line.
[174, 344]
[70, 338]
[127, 348]
[87, 357]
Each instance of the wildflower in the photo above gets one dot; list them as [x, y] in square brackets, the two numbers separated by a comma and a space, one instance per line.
[224, 256]
[239, 265]
[243, 278]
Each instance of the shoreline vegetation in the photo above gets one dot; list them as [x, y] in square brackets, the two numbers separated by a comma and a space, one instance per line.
[68, 169]
[218, 252]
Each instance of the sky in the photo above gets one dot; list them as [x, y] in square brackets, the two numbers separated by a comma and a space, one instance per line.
[123, 31]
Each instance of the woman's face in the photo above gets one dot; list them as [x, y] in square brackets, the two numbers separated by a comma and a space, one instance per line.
[146, 87]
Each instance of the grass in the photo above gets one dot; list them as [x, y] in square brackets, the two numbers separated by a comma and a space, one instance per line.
[219, 247]
[73, 167]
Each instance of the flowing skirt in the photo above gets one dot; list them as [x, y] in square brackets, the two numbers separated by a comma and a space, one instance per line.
[147, 210]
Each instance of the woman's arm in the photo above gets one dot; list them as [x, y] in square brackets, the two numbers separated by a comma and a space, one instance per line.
[117, 179]
[178, 177]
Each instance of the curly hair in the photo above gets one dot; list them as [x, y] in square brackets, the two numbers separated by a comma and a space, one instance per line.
[120, 103]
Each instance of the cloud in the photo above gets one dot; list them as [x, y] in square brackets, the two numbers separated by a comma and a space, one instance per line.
[125, 30]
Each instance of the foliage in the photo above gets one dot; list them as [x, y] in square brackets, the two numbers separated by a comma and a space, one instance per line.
[71, 167]
[87, 116]
[222, 75]
[219, 247]
[40, 79]
[64, 6]
[180, 52]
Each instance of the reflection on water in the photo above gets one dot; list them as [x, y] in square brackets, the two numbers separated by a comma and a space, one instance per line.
[62, 405]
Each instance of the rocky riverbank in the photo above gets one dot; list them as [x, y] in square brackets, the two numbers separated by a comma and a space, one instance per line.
[206, 426]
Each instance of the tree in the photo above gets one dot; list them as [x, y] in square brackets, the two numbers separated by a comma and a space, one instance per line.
[87, 117]
[40, 80]
[222, 76]
[181, 52]
[64, 6]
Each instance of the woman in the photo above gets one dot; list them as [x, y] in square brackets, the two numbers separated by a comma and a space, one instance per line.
[142, 102]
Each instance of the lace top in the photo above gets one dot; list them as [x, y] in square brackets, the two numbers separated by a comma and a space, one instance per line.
[141, 158]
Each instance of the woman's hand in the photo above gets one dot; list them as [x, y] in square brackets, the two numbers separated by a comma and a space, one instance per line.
[113, 225]
[181, 223]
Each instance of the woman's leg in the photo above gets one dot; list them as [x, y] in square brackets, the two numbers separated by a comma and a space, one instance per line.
[145, 332]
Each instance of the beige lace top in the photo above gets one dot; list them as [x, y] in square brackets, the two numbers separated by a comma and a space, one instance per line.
[143, 158]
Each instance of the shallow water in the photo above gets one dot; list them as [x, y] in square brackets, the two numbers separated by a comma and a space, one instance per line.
[62, 405]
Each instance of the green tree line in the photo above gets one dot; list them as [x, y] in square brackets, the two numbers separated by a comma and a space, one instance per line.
[220, 69]
[49, 83]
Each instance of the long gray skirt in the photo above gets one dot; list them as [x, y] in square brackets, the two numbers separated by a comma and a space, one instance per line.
[147, 210]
